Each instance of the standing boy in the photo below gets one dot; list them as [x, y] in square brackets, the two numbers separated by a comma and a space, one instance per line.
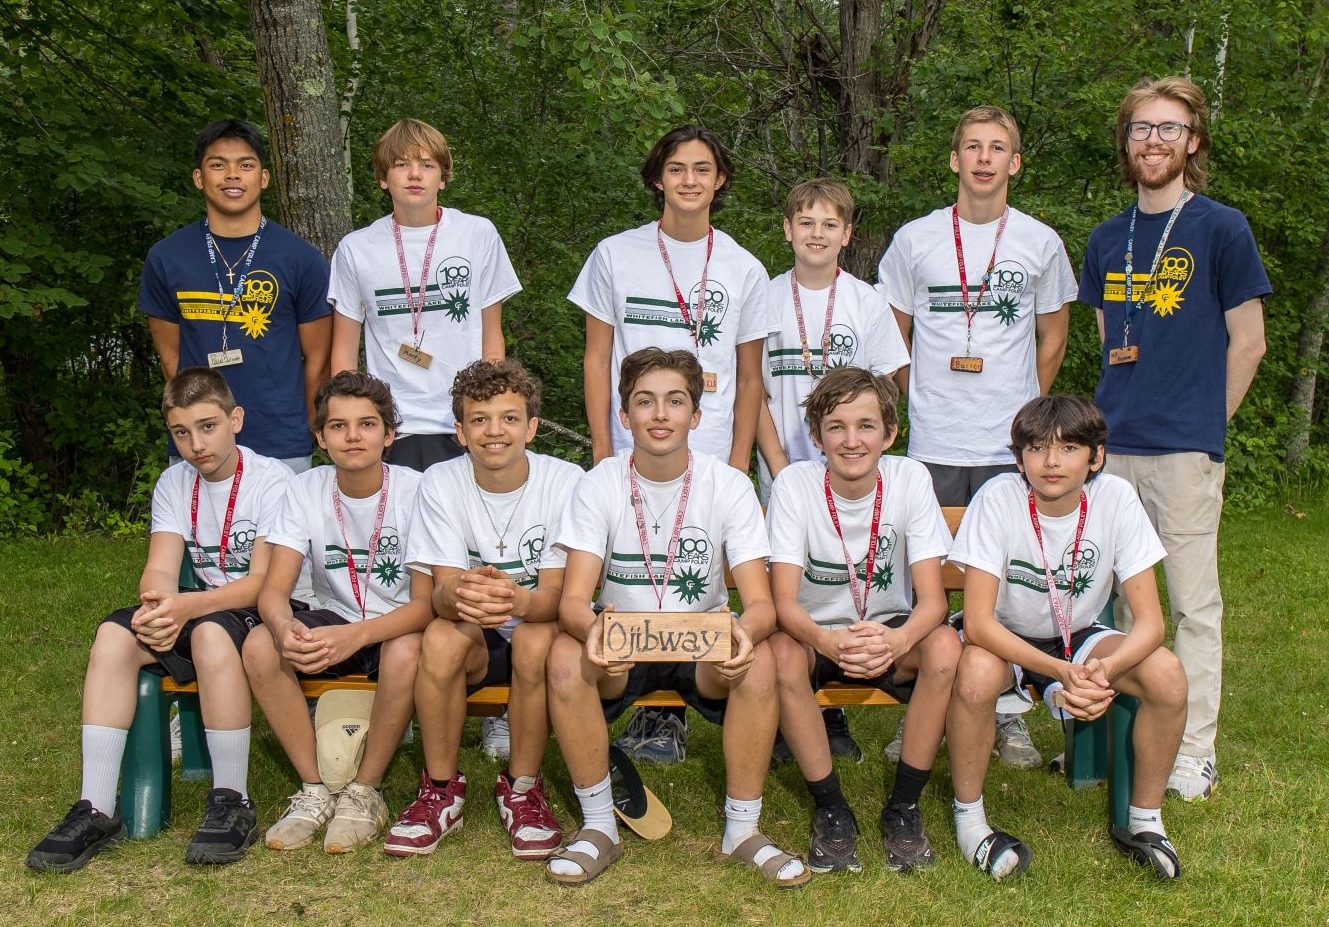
[190, 635]
[426, 284]
[982, 293]
[241, 294]
[1040, 551]
[856, 550]
[677, 283]
[1179, 289]
[352, 521]
[483, 524]
[649, 527]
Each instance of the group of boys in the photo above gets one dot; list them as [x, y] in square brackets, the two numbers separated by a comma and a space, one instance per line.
[485, 569]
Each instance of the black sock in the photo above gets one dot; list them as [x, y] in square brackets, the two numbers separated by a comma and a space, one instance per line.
[441, 785]
[826, 792]
[909, 784]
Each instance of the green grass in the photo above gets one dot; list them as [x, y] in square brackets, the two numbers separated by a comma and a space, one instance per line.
[1254, 854]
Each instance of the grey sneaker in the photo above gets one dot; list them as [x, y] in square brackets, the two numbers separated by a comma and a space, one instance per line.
[1193, 777]
[1013, 744]
[360, 817]
[655, 736]
[309, 809]
[495, 739]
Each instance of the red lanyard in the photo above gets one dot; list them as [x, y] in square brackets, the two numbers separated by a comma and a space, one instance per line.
[360, 600]
[226, 520]
[416, 311]
[694, 327]
[860, 605]
[826, 330]
[964, 275]
[1060, 618]
[635, 494]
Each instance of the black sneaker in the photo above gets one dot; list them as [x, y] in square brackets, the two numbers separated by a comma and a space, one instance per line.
[903, 839]
[82, 834]
[834, 841]
[229, 828]
[842, 742]
[780, 752]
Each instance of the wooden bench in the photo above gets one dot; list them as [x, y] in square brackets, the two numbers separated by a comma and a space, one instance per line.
[1093, 752]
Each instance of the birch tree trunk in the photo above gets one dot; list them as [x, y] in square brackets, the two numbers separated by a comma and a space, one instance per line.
[301, 100]
[1309, 345]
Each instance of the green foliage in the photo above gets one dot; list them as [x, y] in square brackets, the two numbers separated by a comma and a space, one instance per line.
[21, 510]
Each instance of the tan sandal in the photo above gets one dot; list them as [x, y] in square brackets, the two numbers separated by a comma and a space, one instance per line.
[746, 853]
[591, 866]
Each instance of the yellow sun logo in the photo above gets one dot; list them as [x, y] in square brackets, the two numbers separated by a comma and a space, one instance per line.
[254, 320]
[1165, 298]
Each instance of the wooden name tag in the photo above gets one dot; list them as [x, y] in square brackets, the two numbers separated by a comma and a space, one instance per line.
[667, 637]
[967, 364]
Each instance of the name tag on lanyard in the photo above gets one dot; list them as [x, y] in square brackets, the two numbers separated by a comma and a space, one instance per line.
[413, 355]
[1128, 354]
[225, 358]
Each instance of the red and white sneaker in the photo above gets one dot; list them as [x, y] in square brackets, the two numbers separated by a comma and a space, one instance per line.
[530, 821]
[435, 813]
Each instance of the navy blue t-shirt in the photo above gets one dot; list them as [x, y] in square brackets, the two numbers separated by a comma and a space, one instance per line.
[1174, 398]
[286, 287]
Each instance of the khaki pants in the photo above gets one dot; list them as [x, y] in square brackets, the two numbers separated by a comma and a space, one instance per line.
[1183, 496]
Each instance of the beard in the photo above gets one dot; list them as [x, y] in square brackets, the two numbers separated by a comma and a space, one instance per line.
[1157, 177]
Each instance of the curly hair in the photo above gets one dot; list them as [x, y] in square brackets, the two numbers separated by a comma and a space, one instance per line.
[483, 380]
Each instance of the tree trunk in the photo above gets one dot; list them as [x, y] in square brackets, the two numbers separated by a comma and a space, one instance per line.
[300, 96]
[349, 92]
[1308, 360]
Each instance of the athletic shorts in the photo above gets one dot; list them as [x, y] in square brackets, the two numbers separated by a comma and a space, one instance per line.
[956, 485]
[363, 662]
[1083, 643]
[499, 669]
[178, 662]
[827, 671]
[645, 678]
[420, 452]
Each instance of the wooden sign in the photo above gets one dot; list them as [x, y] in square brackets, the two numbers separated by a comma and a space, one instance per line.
[667, 637]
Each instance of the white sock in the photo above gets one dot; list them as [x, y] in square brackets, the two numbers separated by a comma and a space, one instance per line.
[103, 751]
[522, 784]
[230, 759]
[972, 828]
[1139, 820]
[740, 823]
[597, 813]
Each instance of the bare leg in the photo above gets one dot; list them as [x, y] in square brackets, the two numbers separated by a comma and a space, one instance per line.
[110, 691]
[932, 664]
[223, 688]
[451, 652]
[394, 703]
[576, 686]
[277, 690]
[528, 709]
[970, 725]
[750, 721]
[800, 717]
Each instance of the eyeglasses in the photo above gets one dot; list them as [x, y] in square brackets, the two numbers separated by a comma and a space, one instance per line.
[1167, 131]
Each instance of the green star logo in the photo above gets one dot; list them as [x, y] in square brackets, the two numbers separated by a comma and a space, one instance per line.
[1006, 309]
[710, 330]
[457, 306]
[1080, 585]
[883, 576]
[388, 571]
[690, 585]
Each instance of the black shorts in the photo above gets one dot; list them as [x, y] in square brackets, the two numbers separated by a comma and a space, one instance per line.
[1055, 647]
[363, 662]
[955, 485]
[420, 452]
[645, 678]
[499, 670]
[826, 671]
[178, 662]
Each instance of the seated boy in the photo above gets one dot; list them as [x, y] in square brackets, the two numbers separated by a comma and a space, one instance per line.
[613, 538]
[352, 521]
[190, 635]
[481, 532]
[1040, 549]
[856, 550]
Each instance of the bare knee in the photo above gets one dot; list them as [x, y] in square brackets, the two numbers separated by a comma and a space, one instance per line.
[442, 650]
[400, 655]
[1162, 680]
[759, 680]
[531, 644]
[563, 669]
[211, 648]
[939, 654]
[979, 678]
[791, 659]
[113, 643]
[259, 653]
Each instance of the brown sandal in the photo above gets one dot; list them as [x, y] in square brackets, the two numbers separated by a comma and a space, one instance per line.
[747, 850]
[591, 866]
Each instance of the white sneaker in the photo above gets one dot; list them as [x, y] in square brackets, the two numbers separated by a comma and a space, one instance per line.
[1013, 744]
[892, 750]
[310, 809]
[495, 738]
[1193, 777]
[361, 816]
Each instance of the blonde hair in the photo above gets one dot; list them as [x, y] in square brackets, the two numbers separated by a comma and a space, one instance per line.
[411, 138]
[982, 114]
[1186, 93]
[820, 190]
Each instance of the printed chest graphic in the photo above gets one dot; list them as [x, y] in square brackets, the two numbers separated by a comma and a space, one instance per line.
[524, 570]
[842, 348]
[690, 580]
[1003, 297]
[386, 569]
[1165, 296]
[833, 572]
[253, 313]
[447, 292]
[239, 548]
[1029, 575]
[664, 313]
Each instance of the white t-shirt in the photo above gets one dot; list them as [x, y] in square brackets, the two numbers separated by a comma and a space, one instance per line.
[471, 271]
[997, 537]
[624, 284]
[911, 529]
[308, 523]
[459, 523]
[263, 482]
[962, 418]
[863, 334]
[722, 515]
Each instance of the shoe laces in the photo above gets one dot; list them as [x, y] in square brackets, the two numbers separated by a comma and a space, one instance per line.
[305, 804]
[837, 724]
[220, 815]
[639, 725]
[427, 806]
[1014, 729]
[78, 817]
[1188, 765]
[840, 823]
[666, 731]
[497, 727]
[530, 809]
[908, 819]
[360, 800]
